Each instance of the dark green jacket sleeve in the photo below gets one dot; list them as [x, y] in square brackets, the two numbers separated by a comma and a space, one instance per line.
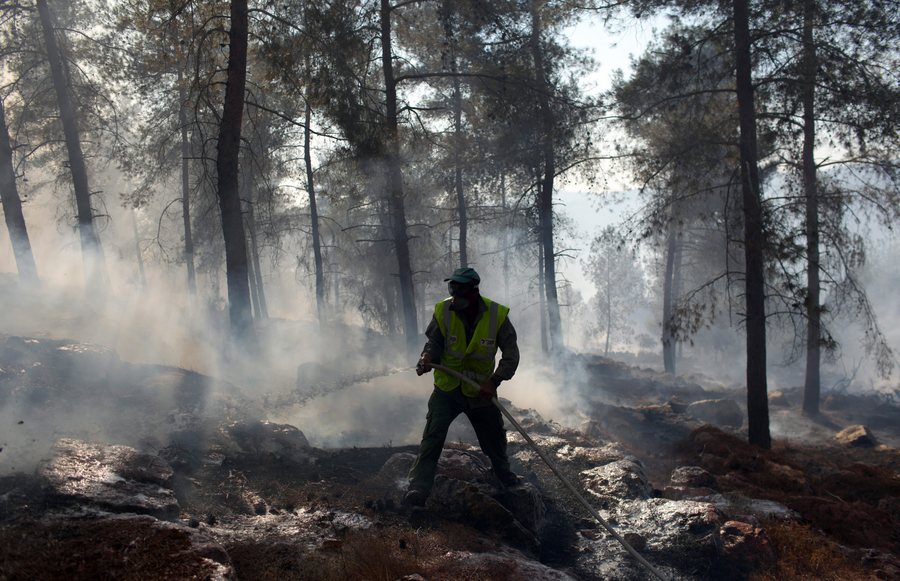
[509, 349]
[434, 345]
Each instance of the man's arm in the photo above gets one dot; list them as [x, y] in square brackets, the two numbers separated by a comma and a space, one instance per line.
[507, 342]
[434, 347]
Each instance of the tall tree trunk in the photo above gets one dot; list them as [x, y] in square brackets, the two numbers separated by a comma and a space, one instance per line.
[812, 388]
[254, 288]
[142, 275]
[668, 335]
[395, 185]
[542, 301]
[186, 187]
[262, 310]
[546, 177]
[461, 205]
[12, 207]
[506, 229]
[451, 65]
[228, 149]
[314, 219]
[257, 286]
[92, 254]
[757, 397]
[609, 315]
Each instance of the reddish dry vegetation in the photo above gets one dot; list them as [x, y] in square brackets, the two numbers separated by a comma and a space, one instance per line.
[845, 496]
[96, 550]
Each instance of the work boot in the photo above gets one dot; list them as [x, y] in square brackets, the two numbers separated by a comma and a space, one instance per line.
[509, 479]
[415, 497]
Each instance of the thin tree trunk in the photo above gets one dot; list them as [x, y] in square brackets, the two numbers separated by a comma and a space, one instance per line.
[260, 307]
[92, 254]
[12, 207]
[609, 321]
[461, 206]
[186, 187]
[395, 185]
[506, 229]
[254, 289]
[757, 398]
[668, 335]
[336, 283]
[228, 147]
[545, 344]
[263, 307]
[450, 63]
[812, 387]
[314, 219]
[142, 275]
[546, 177]
[678, 286]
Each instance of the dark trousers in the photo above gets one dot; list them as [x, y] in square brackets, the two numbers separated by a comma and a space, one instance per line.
[443, 408]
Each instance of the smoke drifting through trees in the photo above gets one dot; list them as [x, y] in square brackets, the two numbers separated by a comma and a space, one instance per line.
[340, 158]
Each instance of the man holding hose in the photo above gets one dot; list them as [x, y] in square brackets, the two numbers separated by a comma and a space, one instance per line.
[464, 335]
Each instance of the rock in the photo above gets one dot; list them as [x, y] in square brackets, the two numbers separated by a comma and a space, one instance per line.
[785, 478]
[397, 467]
[674, 534]
[115, 478]
[617, 481]
[464, 465]
[277, 441]
[692, 476]
[738, 507]
[885, 565]
[596, 456]
[746, 547]
[778, 399]
[857, 436]
[690, 483]
[501, 564]
[526, 504]
[720, 412]
[472, 504]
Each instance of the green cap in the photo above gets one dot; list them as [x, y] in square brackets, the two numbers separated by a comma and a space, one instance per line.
[464, 276]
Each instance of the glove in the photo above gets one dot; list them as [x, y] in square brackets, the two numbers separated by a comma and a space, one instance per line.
[424, 364]
[488, 390]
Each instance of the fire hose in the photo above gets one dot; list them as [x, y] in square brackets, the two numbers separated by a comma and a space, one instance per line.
[558, 474]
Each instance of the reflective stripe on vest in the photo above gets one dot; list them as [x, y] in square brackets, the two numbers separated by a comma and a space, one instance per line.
[475, 359]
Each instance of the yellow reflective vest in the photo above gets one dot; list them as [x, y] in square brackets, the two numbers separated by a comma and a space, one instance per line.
[475, 359]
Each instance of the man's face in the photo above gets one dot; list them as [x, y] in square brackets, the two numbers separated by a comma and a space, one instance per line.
[462, 293]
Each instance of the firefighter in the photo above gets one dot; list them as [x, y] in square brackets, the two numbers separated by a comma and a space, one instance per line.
[464, 334]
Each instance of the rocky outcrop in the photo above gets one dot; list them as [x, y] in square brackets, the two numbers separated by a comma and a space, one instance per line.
[113, 478]
[618, 481]
[502, 564]
[466, 490]
[267, 440]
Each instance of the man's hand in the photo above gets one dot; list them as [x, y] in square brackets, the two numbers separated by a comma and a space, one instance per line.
[424, 364]
[488, 390]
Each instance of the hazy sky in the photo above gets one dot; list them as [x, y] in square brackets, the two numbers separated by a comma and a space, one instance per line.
[612, 51]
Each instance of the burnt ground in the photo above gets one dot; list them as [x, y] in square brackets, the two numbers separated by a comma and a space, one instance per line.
[848, 498]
